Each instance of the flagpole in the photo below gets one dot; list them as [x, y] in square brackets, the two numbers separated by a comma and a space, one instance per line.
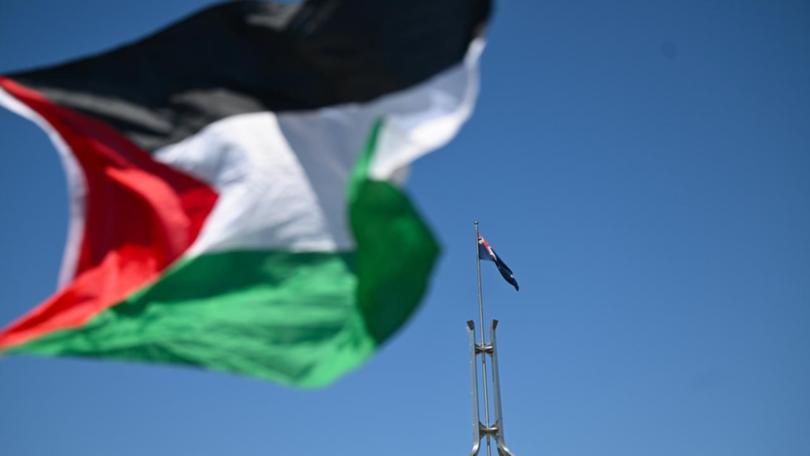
[481, 330]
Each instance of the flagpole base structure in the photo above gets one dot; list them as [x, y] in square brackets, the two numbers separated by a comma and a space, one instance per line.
[481, 430]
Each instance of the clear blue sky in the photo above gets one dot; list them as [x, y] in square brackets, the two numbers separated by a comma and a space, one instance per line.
[644, 168]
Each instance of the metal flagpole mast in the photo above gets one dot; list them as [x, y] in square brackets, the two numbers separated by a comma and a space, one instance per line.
[488, 428]
[481, 330]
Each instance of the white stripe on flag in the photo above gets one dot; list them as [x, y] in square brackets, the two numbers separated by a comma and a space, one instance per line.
[282, 179]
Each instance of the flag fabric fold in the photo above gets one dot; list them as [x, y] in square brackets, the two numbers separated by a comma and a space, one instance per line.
[486, 252]
[235, 183]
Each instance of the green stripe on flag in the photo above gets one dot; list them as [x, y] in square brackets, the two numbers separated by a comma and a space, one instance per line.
[288, 317]
[396, 251]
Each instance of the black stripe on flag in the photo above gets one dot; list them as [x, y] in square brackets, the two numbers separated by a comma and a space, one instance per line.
[251, 56]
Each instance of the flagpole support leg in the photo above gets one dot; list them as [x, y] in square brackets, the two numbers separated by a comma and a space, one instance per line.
[476, 423]
[503, 450]
[486, 429]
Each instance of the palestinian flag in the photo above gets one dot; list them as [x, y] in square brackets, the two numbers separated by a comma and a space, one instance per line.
[235, 183]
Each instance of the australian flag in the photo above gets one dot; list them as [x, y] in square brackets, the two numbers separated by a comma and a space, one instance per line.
[485, 252]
